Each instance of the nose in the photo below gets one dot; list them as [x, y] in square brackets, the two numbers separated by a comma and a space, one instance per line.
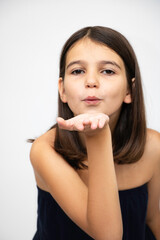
[91, 82]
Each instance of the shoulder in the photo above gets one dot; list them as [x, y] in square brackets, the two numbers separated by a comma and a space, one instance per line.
[152, 148]
[48, 138]
[153, 145]
[41, 145]
[153, 133]
[48, 165]
[43, 154]
[153, 142]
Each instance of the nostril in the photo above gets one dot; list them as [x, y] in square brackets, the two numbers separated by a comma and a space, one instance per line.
[91, 85]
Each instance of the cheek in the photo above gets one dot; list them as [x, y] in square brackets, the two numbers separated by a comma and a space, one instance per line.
[73, 89]
[118, 94]
[115, 96]
[72, 97]
[71, 94]
[114, 91]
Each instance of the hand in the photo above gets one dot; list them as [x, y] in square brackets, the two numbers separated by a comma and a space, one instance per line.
[84, 122]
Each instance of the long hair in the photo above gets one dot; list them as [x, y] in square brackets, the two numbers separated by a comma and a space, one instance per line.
[129, 135]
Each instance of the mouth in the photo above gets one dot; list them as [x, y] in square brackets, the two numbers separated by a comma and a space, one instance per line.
[92, 100]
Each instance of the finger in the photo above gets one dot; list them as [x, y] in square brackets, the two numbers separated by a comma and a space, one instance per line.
[65, 124]
[103, 121]
[78, 125]
[73, 124]
[94, 123]
[86, 122]
[60, 121]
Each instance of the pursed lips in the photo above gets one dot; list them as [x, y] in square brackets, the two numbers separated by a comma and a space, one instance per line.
[91, 100]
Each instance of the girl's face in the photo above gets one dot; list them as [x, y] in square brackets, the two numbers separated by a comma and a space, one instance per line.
[95, 80]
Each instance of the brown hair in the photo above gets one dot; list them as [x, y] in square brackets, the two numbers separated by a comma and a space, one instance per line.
[129, 135]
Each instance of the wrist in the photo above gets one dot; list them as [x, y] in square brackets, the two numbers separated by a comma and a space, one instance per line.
[98, 134]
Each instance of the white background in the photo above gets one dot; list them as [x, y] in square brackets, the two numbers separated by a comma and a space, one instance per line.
[31, 36]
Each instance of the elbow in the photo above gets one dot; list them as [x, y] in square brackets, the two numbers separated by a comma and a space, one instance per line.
[110, 237]
[105, 229]
[153, 226]
[107, 234]
[116, 236]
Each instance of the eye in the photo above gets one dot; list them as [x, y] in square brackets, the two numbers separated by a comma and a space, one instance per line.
[77, 71]
[108, 72]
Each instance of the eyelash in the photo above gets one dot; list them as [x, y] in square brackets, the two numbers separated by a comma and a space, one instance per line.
[75, 72]
[79, 71]
[108, 72]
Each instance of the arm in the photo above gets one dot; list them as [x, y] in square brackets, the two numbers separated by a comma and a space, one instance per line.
[103, 200]
[153, 211]
[98, 212]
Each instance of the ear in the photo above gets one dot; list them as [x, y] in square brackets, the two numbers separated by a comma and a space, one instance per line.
[62, 90]
[128, 97]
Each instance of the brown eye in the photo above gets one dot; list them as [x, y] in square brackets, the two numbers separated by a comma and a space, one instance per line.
[77, 71]
[108, 72]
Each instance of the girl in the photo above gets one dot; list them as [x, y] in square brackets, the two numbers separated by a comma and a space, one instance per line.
[98, 169]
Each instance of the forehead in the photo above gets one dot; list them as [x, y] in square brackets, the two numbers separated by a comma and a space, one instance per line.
[91, 51]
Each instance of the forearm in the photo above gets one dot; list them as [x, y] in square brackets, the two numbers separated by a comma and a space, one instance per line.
[104, 214]
[155, 227]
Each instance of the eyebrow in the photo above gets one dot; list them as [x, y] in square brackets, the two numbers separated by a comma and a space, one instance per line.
[103, 62]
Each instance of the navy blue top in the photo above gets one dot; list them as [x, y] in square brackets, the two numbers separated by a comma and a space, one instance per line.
[54, 224]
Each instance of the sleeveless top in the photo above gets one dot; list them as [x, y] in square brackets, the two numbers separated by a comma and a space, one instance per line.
[54, 224]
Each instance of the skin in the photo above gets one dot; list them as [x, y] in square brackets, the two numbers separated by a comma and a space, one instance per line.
[92, 77]
[95, 123]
